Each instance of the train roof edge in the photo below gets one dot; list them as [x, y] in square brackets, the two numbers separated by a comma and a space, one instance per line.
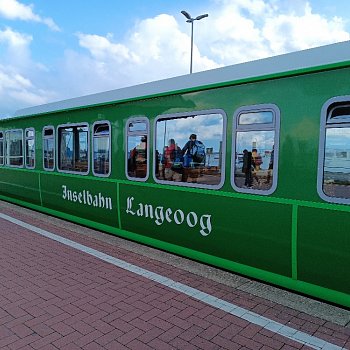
[295, 61]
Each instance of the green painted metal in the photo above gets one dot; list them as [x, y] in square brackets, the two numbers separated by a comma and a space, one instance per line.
[291, 238]
[295, 242]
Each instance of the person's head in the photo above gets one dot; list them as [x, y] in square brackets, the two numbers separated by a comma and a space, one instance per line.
[171, 142]
[193, 137]
[254, 150]
[245, 151]
[144, 139]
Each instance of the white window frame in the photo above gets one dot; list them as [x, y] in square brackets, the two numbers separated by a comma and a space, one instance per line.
[83, 124]
[341, 123]
[274, 126]
[223, 148]
[110, 148]
[137, 119]
[2, 158]
[25, 147]
[23, 151]
[48, 127]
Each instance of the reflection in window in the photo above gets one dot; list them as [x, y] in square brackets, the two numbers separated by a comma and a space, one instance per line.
[73, 148]
[101, 149]
[49, 148]
[137, 151]
[30, 148]
[336, 169]
[261, 117]
[189, 149]
[1, 148]
[254, 149]
[14, 148]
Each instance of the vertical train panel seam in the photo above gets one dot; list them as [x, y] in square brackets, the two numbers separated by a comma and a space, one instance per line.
[295, 242]
[40, 195]
[118, 206]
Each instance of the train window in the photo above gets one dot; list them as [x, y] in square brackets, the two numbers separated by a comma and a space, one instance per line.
[49, 148]
[14, 148]
[101, 148]
[73, 148]
[334, 159]
[1, 148]
[255, 147]
[137, 155]
[30, 148]
[190, 148]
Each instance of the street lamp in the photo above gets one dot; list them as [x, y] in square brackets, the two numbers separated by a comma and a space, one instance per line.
[191, 20]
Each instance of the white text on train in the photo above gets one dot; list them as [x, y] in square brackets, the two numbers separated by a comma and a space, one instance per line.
[161, 215]
[85, 197]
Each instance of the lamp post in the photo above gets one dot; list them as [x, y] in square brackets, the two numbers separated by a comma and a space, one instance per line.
[191, 20]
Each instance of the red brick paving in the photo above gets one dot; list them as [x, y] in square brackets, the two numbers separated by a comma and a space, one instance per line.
[54, 297]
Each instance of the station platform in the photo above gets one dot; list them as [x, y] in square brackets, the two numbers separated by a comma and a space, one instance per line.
[65, 286]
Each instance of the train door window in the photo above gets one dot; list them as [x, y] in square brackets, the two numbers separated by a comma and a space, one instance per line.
[334, 156]
[72, 148]
[101, 148]
[49, 148]
[30, 148]
[190, 149]
[14, 148]
[255, 149]
[137, 155]
[1, 148]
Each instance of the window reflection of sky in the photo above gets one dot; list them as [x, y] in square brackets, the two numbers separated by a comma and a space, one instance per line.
[337, 153]
[256, 118]
[208, 128]
[263, 140]
[137, 126]
[338, 138]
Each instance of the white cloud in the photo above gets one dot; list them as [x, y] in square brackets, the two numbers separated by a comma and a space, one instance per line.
[17, 90]
[294, 32]
[155, 49]
[159, 47]
[15, 39]
[12, 9]
[21, 79]
[16, 50]
[243, 30]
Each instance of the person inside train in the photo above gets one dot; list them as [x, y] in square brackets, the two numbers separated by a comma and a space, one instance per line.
[256, 162]
[194, 157]
[247, 168]
[137, 162]
[172, 161]
[193, 151]
[270, 169]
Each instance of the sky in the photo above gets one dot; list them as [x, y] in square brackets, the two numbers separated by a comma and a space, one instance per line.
[54, 50]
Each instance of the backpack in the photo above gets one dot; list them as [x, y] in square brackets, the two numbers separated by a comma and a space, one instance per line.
[177, 159]
[198, 152]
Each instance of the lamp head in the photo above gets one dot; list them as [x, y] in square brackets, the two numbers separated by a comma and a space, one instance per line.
[186, 14]
[201, 16]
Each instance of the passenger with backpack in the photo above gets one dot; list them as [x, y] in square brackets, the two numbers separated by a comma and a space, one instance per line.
[194, 152]
[194, 156]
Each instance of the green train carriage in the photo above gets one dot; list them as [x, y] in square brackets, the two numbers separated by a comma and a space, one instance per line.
[115, 161]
